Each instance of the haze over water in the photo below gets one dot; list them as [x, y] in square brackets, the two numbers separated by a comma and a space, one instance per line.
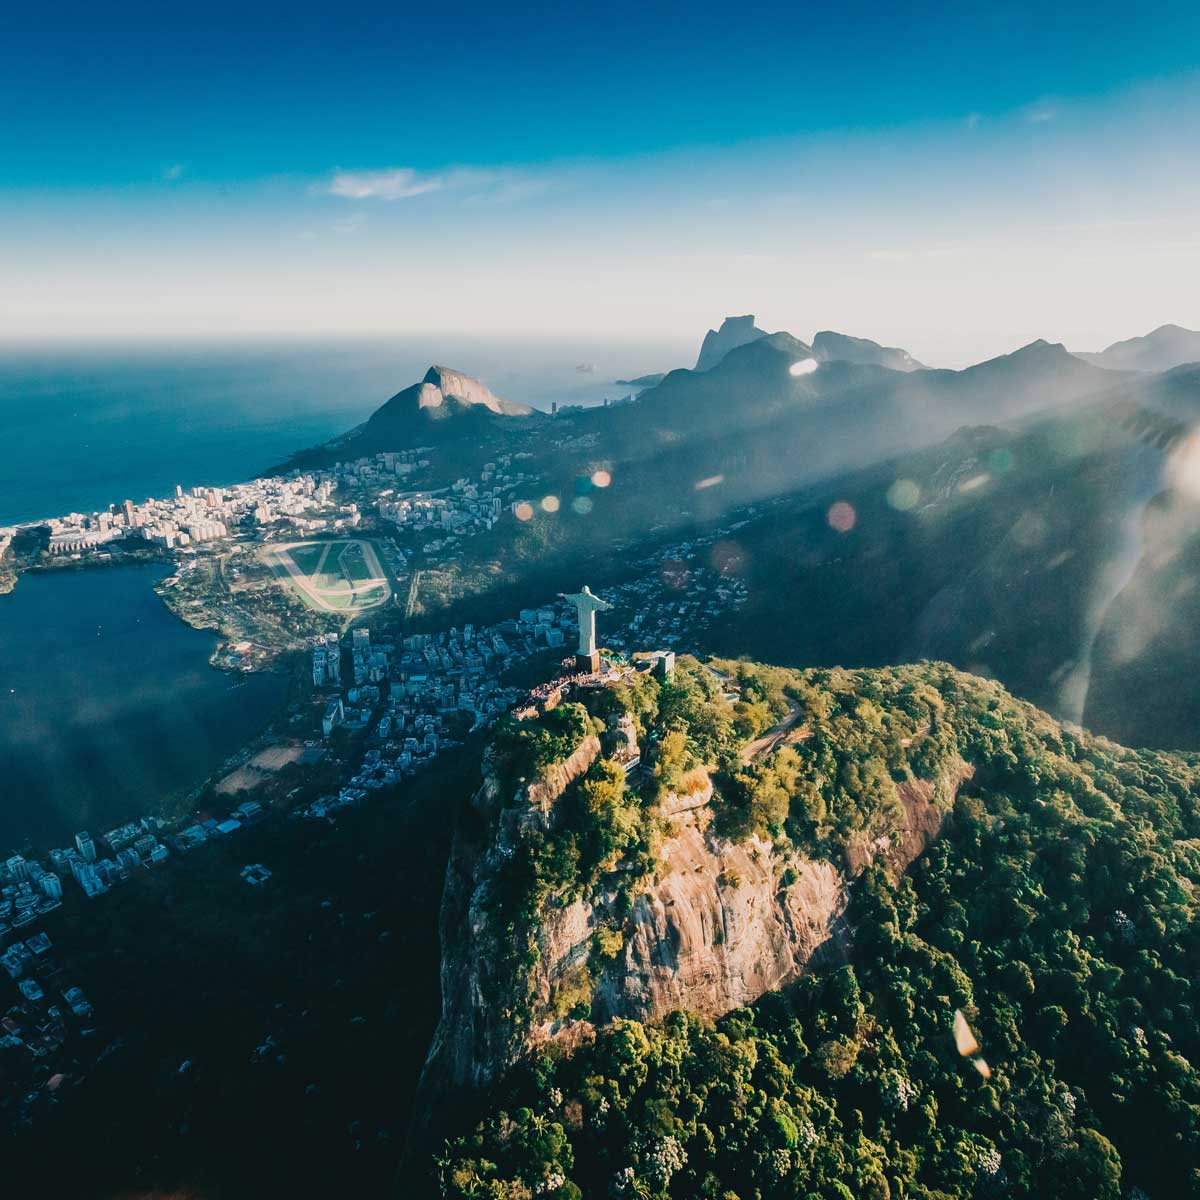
[108, 704]
[87, 426]
[107, 701]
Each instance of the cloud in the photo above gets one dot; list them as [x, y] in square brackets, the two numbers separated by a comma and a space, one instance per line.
[405, 183]
[1040, 113]
[397, 183]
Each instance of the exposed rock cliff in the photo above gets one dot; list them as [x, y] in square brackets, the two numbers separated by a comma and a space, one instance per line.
[717, 924]
[734, 332]
[441, 386]
[475, 1036]
[445, 407]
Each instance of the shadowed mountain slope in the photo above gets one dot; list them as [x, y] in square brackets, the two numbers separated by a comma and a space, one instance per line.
[830, 347]
[734, 332]
[1165, 347]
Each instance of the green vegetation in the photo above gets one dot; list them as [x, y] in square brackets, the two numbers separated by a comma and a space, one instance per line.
[595, 827]
[525, 749]
[1056, 911]
[254, 1042]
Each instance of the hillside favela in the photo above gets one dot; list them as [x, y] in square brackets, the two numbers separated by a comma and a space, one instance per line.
[600, 603]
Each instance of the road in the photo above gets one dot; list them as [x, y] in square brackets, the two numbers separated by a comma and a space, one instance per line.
[779, 733]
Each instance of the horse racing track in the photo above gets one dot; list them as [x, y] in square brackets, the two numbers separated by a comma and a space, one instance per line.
[343, 576]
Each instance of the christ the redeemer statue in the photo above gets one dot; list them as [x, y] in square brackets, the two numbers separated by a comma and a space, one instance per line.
[587, 606]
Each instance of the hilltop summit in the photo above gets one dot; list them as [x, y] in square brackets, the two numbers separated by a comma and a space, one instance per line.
[446, 405]
[1163, 348]
[829, 346]
[734, 332]
[444, 383]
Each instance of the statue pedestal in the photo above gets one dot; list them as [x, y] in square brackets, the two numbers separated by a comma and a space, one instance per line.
[588, 664]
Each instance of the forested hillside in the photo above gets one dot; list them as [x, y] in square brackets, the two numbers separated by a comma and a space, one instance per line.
[1053, 920]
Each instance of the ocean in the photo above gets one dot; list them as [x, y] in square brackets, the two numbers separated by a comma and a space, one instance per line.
[82, 427]
[107, 702]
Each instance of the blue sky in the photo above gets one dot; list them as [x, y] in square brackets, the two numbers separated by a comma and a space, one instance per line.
[955, 176]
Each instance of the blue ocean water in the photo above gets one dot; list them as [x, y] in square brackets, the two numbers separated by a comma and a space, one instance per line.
[107, 702]
[82, 427]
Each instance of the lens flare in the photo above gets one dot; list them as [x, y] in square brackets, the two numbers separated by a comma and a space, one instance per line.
[976, 481]
[675, 573]
[903, 495]
[711, 481]
[806, 366]
[601, 478]
[1183, 465]
[582, 505]
[841, 516]
[550, 504]
[523, 511]
[965, 1040]
[728, 558]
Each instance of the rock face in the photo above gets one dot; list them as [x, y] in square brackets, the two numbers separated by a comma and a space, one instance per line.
[719, 924]
[475, 1038]
[446, 404]
[443, 383]
[718, 929]
[734, 332]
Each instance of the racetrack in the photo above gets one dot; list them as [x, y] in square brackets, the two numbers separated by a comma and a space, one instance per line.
[345, 576]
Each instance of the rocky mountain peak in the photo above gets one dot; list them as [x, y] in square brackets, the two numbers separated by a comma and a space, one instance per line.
[734, 332]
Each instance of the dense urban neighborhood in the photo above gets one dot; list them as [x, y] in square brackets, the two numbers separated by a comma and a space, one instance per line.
[373, 706]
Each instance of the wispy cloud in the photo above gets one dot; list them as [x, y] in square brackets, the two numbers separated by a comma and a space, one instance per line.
[1040, 113]
[405, 183]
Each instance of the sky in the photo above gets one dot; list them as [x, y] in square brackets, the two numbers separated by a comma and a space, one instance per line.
[956, 179]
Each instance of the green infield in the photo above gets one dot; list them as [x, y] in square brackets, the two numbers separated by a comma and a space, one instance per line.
[340, 576]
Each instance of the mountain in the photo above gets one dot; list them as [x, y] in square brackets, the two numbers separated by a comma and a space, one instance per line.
[916, 937]
[446, 406]
[1165, 347]
[442, 393]
[662, 911]
[765, 424]
[830, 347]
[1055, 555]
[1046, 367]
[734, 332]
[770, 414]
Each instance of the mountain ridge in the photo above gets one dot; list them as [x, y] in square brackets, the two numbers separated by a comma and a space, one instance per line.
[829, 346]
[1161, 349]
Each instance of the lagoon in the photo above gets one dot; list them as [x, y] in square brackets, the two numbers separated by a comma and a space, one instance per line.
[108, 704]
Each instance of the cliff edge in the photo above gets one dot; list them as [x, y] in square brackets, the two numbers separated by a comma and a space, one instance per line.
[578, 893]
